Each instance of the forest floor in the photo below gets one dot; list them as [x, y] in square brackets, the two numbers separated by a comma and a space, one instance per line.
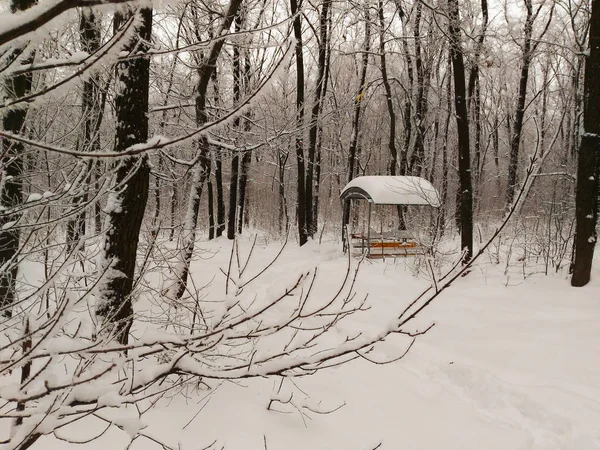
[513, 362]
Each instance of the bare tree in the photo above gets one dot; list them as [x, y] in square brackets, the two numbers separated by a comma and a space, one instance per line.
[462, 125]
[11, 194]
[586, 200]
[356, 130]
[529, 48]
[295, 7]
[127, 200]
[92, 105]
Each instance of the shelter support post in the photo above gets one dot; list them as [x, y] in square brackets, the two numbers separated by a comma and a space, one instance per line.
[369, 230]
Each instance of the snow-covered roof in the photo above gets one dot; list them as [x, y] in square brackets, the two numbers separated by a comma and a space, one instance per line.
[392, 190]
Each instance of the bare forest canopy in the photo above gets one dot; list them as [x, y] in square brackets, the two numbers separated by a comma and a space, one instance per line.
[130, 130]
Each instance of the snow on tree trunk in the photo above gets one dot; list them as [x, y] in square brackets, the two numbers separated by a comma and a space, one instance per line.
[127, 201]
[462, 125]
[202, 168]
[11, 194]
[586, 196]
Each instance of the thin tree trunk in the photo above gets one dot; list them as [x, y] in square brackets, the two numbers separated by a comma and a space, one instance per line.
[12, 162]
[90, 106]
[295, 6]
[515, 140]
[202, 169]
[354, 139]
[218, 165]
[417, 159]
[445, 165]
[246, 156]
[127, 201]
[211, 213]
[586, 197]
[496, 144]
[462, 125]
[235, 158]
[284, 219]
[320, 90]
[390, 105]
[173, 211]
[529, 47]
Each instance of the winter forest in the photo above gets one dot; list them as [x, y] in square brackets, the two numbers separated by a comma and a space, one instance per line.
[177, 267]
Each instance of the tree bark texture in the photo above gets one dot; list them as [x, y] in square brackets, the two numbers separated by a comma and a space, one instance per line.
[12, 162]
[127, 201]
[462, 125]
[586, 195]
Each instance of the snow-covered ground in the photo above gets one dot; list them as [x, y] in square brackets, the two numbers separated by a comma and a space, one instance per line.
[511, 363]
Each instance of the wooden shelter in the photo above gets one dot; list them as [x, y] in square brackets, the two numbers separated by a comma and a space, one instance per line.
[386, 190]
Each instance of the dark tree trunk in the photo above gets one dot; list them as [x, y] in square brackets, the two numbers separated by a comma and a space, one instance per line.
[352, 151]
[218, 165]
[301, 190]
[462, 125]
[390, 105]
[243, 197]
[417, 159]
[173, 211]
[586, 196]
[407, 109]
[284, 219]
[12, 162]
[529, 47]
[211, 213]
[319, 156]
[445, 165]
[388, 93]
[127, 201]
[235, 159]
[515, 140]
[474, 96]
[496, 144]
[246, 156]
[219, 189]
[315, 125]
[233, 191]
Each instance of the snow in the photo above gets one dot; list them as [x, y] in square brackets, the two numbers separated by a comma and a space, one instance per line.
[395, 190]
[33, 197]
[510, 364]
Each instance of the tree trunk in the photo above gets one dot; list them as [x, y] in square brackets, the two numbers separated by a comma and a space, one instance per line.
[586, 196]
[127, 201]
[284, 219]
[390, 105]
[529, 48]
[462, 125]
[173, 211]
[11, 194]
[315, 125]
[202, 169]
[218, 165]
[354, 139]
[91, 105]
[417, 159]
[301, 186]
[211, 213]
[244, 169]
[445, 165]
[235, 159]
[246, 156]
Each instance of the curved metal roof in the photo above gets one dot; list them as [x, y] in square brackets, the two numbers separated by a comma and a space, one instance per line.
[392, 190]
